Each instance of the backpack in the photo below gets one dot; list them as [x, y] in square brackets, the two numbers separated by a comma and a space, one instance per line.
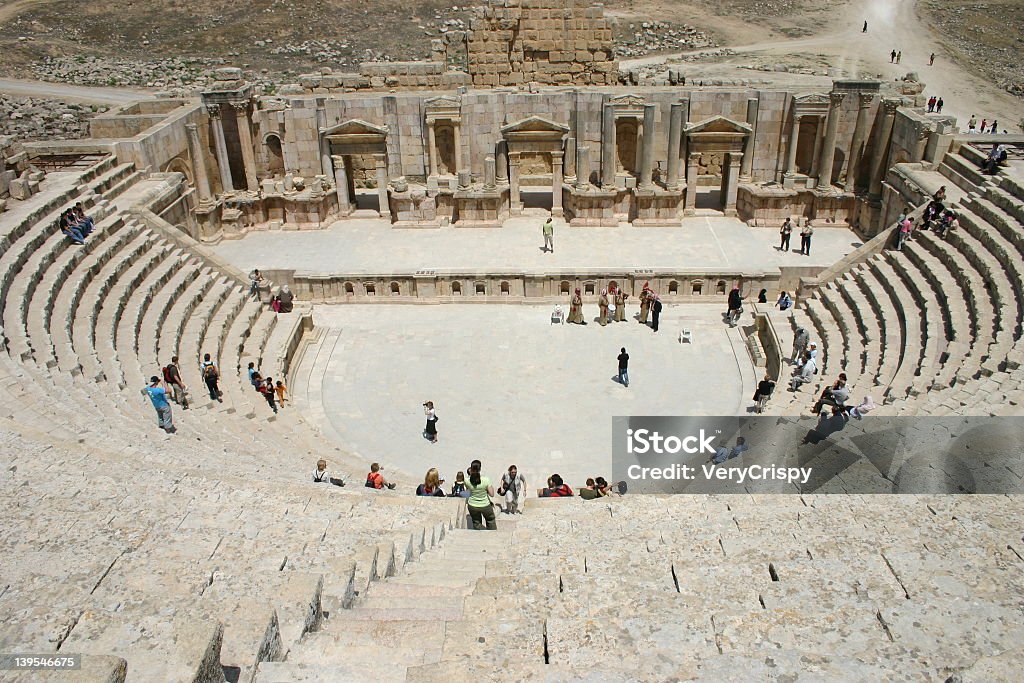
[167, 375]
[210, 370]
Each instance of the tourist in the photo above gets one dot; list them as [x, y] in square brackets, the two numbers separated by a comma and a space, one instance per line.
[949, 221]
[904, 232]
[861, 409]
[286, 299]
[255, 280]
[267, 390]
[764, 392]
[576, 309]
[997, 156]
[376, 480]
[972, 123]
[784, 302]
[172, 378]
[430, 431]
[931, 59]
[984, 126]
[938, 106]
[158, 396]
[836, 396]
[931, 104]
[655, 312]
[211, 375]
[812, 352]
[725, 453]
[253, 375]
[623, 359]
[602, 304]
[556, 488]
[87, 223]
[992, 130]
[892, 56]
[65, 225]
[762, 296]
[459, 489]
[479, 504]
[431, 485]
[513, 487]
[805, 374]
[620, 305]
[548, 230]
[84, 227]
[320, 475]
[589, 492]
[940, 194]
[282, 391]
[800, 342]
[785, 232]
[735, 304]
[805, 238]
[645, 303]
[899, 56]
[605, 489]
[865, 29]
[275, 304]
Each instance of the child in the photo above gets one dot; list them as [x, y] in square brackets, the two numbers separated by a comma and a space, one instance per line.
[282, 391]
[459, 487]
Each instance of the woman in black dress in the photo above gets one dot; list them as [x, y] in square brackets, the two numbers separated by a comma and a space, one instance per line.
[430, 431]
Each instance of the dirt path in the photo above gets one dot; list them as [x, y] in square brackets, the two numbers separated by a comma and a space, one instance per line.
[71, 93]
[892, 24]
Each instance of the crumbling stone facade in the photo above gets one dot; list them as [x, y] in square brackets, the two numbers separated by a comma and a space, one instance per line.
[547, 41]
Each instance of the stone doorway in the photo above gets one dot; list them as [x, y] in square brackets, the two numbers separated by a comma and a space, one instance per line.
[714, 148]
[360, 161]
[535, 155]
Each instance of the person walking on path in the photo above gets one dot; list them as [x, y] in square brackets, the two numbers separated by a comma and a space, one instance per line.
[623, 367]
[282, 393]
[931, 104]
[266, 388]
[899, 56]
[735, 306]
[865, 29]
[211, 375]
[805, 239]
[993, 129]
[904, 233]
[620, 305]
[602, 303]
[892, 57]
[645, 303]
[513, 487]
[984, 126]
[158, 396]
[800, 342]
[172, 377]
[972, 123]
[938, 106]
[785, 232]
[480, 508]
[931, 59]
[655, 311]
[430, 431]
[548, 229]
[576, 309]
[255, 280]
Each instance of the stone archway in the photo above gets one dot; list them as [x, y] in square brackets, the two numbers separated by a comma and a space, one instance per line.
[179, 165]
[535, 153]
[715, 143]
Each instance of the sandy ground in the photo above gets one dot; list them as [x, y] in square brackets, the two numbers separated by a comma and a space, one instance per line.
[71, 93]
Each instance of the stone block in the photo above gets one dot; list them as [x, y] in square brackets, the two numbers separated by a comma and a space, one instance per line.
[19, 188]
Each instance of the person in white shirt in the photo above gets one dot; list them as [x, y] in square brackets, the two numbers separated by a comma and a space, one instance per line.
[513, 487]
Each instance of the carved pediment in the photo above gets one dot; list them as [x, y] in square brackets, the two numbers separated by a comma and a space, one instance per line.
[720, 125]
[442, 102]
[356, 127]
[627, 100]
[535, 124]
[811, 98]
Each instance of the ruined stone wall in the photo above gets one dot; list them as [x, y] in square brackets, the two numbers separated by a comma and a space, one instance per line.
[547, 41]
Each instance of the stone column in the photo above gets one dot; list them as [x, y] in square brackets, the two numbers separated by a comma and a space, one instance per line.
[381, 161]
[501, 162]
[248, 153]
[675, 132]
[794, 137]
[819, 136]
[859, 132]
[221, 147]
[556, 183]
[516, 204]
[828, 150]
[881, 150]
[432, 148]
[647, 151]
[570, 161]
[746, 169]
[732, 180]
[691, 182]
[582, 167]
[325, 146]
[489, 183]
[341, 185]
[608, 147]
[459, 166]
[195, 150]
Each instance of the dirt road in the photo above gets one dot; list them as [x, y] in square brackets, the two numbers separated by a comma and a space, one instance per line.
[71, 93]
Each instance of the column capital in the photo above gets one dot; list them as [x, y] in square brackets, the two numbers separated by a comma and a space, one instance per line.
[694, 155]
[735, 158]
[865, 99]
[338, 158]
[835, 99]
[797, 117]
[557, 155]
[213, 110]
[891, 105]
[191, 128]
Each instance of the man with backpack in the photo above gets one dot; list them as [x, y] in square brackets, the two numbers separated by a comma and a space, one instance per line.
[376, 480]
[211, 376]
[172, 378]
